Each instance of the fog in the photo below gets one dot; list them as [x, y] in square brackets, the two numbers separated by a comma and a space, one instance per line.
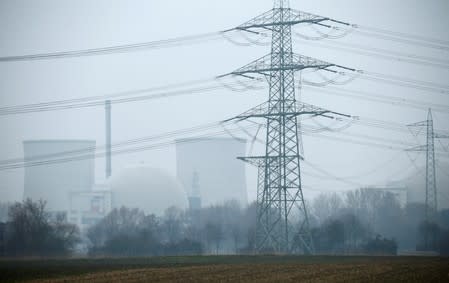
[333, 166]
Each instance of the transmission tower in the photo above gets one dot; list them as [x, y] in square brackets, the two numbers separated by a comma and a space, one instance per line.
[429, 149]
[280, 197]
[108, 138]
[431, 198]
[431, 183]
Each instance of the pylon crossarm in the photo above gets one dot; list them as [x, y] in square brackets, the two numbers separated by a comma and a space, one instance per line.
[257, 161]
[440, 136]
[265, 67]
[418, 148]
[258, 110]
[264, 111]
[305, 108]
[418, 124]
[291, 18]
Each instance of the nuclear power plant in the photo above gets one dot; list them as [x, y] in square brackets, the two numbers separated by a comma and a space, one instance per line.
[207, 173]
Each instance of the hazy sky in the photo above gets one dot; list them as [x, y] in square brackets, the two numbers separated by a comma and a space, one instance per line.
[48, 26]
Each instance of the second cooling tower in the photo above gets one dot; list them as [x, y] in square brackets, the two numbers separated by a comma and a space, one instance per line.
[208, 168]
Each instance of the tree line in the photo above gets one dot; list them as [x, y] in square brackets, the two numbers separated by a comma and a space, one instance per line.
[358, 222]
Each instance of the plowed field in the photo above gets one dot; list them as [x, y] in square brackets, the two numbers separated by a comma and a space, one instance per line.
[230, 269]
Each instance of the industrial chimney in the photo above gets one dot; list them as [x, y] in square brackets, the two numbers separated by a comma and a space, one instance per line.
[108, 139]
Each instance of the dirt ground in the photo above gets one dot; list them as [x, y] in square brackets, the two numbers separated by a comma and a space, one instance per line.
[252, 269]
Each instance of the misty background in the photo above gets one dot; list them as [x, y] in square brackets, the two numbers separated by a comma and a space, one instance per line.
[30, 27]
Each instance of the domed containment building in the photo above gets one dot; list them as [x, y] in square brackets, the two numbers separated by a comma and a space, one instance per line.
[209, 169]
[149, 189]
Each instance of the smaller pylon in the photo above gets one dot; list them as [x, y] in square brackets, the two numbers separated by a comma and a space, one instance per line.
[108, 133]
[431, 200]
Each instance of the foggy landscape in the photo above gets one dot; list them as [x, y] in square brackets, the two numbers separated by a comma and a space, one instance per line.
[254, 141]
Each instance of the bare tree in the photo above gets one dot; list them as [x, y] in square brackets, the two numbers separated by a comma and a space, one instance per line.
[173, 224]
[326, 206]
[32, 232]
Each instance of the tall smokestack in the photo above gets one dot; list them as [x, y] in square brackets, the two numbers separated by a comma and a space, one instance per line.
[108, 138]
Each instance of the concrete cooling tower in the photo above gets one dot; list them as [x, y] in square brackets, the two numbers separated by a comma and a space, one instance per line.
[55, 182]
[209, 167]
[150, 189]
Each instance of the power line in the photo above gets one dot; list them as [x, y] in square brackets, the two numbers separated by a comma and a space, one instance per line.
[116, 98]
[99, 100]
[408, 80]
[89, 153]
[383, 54]
[368, 137]
[105, 97]
[326, 173]
[403, 35]
[387, 125]
[426, 86]
[114, 101]
[117, 48]
[374, 97]
[404, 40]
[384, 34]
[89, 150]
[442, 170]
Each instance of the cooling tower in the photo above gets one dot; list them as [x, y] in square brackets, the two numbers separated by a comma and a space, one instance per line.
[213, 163]
[55, 181]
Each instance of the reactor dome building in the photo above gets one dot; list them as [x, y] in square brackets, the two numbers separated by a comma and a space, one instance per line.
[209, 170]
[149, 189]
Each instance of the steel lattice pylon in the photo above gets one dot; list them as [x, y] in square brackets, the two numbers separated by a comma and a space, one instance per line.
[280, 194]
[431, 183]
[431, 203]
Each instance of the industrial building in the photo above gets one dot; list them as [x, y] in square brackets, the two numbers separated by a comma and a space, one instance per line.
[89, 207]
[56, 181]
[209, 170]
[68, 185]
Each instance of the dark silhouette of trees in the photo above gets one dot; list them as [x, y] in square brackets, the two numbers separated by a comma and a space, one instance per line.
[330, 236]
[4, 208]
[326, 206]
[172, 224]
[429, 234]
[32, 231]
[354, 222]
[125, 232]
[225, 228]
[345, 234]
[381, 246]
[214, 235]
[444, 243]
[129, 232]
